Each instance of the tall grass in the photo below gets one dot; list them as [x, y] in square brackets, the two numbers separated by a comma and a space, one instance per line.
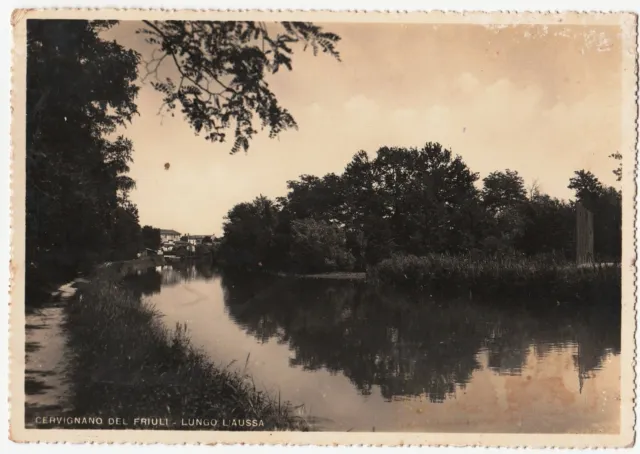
[543, 278]
[127, 364]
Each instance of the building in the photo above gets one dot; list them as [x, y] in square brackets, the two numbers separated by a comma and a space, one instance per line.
[198, 239]
[169, 235]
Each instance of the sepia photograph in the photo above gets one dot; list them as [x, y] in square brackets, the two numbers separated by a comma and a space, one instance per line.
[231, 225]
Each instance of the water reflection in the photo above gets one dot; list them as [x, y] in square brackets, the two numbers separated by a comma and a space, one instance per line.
[359, 359]
[145, 284]
[150, 282]
[408, 347]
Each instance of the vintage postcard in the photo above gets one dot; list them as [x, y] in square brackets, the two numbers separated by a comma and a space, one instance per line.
[323, 228]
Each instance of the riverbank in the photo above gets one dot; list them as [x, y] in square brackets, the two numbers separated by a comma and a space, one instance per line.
[337, 275]
[503, 278]
[126, 364]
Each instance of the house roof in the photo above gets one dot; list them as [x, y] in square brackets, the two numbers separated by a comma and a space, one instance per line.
[168, 232]
[199, 236]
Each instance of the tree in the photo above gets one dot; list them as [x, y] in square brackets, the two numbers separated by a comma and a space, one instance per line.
[249, 234]
[502, 190]
[222, 67]
[320, 198]
[548, 227]
[317, 246]
[504, 197]
[608, 225]
[151, 238]
[76, 171]
[618, 170]
[429, 198]
[606, 205]
[587, 187]
[126, 235]
[369, 232]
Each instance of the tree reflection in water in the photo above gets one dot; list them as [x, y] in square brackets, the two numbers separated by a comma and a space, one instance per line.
[147, 283]
[150, 282]
[408, 347]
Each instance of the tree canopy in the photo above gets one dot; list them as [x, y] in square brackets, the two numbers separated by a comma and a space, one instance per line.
[77, 206]
[413, 201]
[81, 91]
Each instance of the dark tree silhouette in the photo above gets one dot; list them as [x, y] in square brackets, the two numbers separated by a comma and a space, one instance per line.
[586, 186]
[618, 170]
[80, 88]
[222, 68]
[151, 238]
[249, 232]
[502, 190]
[412, 199]
[415, 202]
[504, 197]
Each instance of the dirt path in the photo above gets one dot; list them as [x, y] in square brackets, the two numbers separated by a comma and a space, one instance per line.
[46, 389]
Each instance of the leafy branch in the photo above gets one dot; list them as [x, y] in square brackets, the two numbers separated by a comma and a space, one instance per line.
[222, 68]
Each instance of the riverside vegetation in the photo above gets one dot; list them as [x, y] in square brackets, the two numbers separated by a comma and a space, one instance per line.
[420, 219]
[516, 278]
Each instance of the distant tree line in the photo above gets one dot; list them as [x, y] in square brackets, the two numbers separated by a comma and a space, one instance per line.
[413, 201]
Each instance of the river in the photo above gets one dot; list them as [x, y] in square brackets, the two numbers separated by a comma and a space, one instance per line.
[356, 359]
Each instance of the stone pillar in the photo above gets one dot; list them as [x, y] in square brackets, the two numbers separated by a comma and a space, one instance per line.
[584, 235]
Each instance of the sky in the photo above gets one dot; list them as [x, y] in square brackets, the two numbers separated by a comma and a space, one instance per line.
[542, 100]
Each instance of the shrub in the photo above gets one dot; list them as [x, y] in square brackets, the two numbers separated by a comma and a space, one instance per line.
[317, 246]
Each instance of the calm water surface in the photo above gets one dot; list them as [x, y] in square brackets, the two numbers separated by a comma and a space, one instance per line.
[359, 360]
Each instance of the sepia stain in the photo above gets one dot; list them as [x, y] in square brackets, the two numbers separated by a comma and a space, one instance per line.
[18, 14]
[520, 395]
[166, 166]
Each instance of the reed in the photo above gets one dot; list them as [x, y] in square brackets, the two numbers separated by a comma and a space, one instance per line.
[501, 277]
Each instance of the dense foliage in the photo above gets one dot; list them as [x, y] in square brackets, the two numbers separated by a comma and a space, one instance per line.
[77, 206]
[151, 238]
[419, 202]
[318, 246]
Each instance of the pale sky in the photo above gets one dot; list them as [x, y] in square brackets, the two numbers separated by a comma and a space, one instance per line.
[544, 101]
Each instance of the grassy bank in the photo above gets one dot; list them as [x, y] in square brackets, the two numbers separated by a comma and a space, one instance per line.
[126, 364]
[540, 279]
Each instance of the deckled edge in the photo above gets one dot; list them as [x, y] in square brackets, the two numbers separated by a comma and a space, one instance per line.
[20, 15]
